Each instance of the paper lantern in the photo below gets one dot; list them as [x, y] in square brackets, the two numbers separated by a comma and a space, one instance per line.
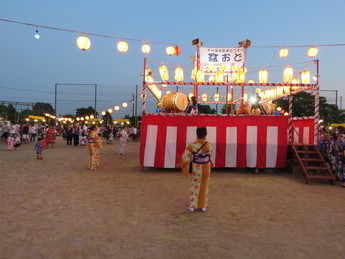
[219, 76]
[283, 53]
[122, 46]
[222, 67]
[210, 67]
[204, 97]
[145, 48]
[312, 52]
[216, 97]
[193, 75]
[91, 116]
[295, 80]
[87, 117]
[157, 93]
[117, 108]
[190, 95]
[286, 89]
[245, 97]
[200, 76]
[163, 70]
[170, 50]
[179, 77]
[263, 76]
[288, 74]
[251, 82]
[103, 113]
[211, 79]
[241, 76]
[83, 42]
[305, 76]
[148, 74]
[110, 110]
[229, 97]
[235, 67]
[177, 50]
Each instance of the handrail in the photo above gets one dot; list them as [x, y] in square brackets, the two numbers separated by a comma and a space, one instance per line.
[304, 146]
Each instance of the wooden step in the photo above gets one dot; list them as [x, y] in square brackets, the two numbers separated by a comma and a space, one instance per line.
[311, 159]
[316, 167]
[317, 176]
[306, 152]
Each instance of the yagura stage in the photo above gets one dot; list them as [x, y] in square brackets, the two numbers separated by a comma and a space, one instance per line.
[238, 141]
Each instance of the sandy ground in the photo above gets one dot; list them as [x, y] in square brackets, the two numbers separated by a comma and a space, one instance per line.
[56, 208]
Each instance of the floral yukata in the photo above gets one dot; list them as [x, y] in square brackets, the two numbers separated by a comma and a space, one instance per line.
[198, 193]
[94, 146]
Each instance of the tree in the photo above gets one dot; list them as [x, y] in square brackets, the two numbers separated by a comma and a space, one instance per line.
[303, 105]
[40, 109]
[229, 109]
[81, 112]
[206, 109]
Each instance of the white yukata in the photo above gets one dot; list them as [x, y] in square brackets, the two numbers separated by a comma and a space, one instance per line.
[123, 141]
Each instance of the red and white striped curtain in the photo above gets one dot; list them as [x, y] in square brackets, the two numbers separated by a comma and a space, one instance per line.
[238, 141]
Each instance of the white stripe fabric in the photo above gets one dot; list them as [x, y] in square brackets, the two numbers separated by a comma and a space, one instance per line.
[170, 147]
[191, 135]
[231, 147]
[272, 147]
[306, 135]
[295, 136]
[212, 137]
[251, 148]
[150, 147]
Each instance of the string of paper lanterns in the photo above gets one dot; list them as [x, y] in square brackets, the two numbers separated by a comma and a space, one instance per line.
[312, 52]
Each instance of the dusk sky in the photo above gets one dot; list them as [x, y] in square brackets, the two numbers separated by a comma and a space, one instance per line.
[30, 68]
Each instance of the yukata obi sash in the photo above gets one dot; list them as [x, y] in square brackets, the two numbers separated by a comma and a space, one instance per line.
[201, 158]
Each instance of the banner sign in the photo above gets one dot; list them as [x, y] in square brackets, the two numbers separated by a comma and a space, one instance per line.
[221, 56]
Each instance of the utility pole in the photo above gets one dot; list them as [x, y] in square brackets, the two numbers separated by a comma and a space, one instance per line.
[133, 104]
[136, 107]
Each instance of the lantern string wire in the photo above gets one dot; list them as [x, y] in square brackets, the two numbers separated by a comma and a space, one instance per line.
[89, 33]
[163, 43]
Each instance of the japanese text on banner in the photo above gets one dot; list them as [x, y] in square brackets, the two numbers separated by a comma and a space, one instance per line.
[219, 56]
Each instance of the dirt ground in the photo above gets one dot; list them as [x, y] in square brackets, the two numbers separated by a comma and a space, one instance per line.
[56, 208]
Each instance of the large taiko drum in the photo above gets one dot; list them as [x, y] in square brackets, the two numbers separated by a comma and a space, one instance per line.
[175, 102]
[269, 108]
[244, 109]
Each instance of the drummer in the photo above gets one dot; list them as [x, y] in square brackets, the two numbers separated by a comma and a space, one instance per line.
[192, 107]
[159, 107]
[257, 105]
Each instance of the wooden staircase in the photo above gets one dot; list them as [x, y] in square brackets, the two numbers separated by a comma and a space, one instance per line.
[312, 163]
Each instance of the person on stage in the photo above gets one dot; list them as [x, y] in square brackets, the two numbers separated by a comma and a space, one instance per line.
[200, 151]
[95, 143]
[192, 107]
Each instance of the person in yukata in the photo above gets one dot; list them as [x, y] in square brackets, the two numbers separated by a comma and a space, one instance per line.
[200, 151]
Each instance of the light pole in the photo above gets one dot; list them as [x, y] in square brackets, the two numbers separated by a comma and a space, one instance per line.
[336, 95]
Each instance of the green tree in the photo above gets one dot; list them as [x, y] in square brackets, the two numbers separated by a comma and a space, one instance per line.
[11, 113]
[303, 105]
[222, 110]
[40, 109]
[81, 112]
[206, 109]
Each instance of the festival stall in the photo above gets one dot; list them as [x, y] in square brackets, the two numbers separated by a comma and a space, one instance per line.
[245, 136]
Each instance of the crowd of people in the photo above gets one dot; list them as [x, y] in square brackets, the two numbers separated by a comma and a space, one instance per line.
[332, 146]
[15, 135]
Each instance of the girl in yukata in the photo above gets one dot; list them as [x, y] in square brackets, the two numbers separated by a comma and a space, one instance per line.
[123, 136]
[200, 151]
[10, 143]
